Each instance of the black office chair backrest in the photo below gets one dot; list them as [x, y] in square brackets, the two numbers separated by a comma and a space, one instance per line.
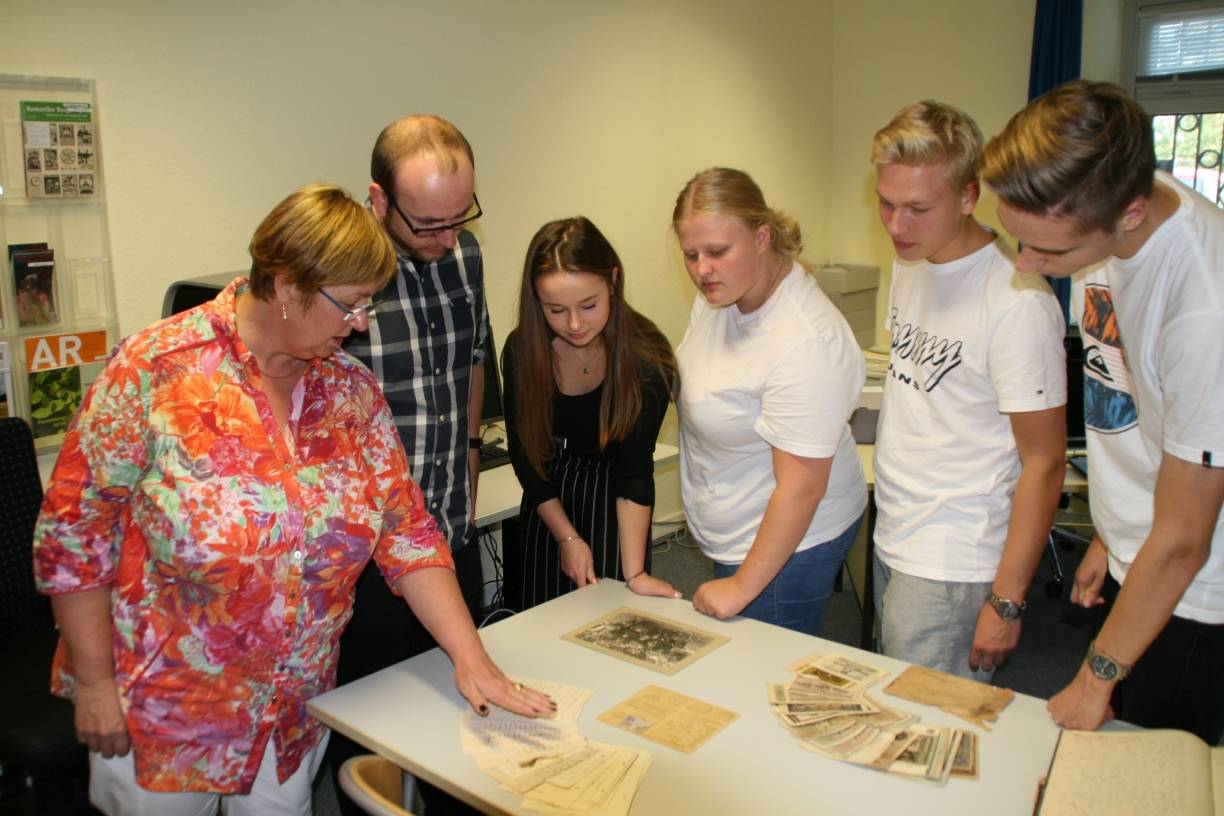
[21, 607]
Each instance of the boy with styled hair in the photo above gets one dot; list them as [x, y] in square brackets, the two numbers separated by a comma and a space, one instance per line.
[1077, 184]
[969, 453]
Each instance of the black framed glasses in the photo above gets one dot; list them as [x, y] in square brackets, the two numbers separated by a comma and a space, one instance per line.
[454, 225]
[367, 310]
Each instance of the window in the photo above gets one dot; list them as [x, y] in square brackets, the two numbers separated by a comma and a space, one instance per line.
[1173, 57]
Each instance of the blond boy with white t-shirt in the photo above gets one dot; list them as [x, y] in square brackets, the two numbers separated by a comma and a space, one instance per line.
[969, 452]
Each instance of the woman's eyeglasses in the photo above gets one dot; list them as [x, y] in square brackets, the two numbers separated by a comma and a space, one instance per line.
[367, 310]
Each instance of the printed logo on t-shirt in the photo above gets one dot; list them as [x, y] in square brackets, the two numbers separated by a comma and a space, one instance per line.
[1109, 403]
[932, 356]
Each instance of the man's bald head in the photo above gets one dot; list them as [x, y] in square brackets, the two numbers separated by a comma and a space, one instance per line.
[412, 136]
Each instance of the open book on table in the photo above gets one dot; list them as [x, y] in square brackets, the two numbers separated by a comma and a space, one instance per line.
[1156, 772]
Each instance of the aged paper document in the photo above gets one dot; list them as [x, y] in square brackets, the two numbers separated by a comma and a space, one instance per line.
[650, 641]
[1160, 771]
[591, 777]
[970, 700]
[503, 734]
[669, 718]
[548, 762]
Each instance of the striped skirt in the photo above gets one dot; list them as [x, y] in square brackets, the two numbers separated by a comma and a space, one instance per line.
[584, 487]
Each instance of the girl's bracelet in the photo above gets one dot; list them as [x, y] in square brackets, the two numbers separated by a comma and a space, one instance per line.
[570, 538]
[637, 574]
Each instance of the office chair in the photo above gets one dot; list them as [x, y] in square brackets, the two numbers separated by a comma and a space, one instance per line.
[37, 737]
[374, 784]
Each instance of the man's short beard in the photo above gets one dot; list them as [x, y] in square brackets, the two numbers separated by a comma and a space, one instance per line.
[400, 246]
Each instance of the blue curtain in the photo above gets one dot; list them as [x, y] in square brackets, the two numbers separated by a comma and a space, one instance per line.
[1057, 32]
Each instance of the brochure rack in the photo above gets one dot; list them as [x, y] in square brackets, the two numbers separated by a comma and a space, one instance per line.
[57, 312]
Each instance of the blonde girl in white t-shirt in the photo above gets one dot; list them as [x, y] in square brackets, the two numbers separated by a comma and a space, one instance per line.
[770, 372]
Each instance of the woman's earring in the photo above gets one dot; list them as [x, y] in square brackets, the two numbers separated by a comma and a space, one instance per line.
[284, 311]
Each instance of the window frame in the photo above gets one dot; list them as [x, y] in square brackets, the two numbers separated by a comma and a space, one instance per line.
[1176, 93]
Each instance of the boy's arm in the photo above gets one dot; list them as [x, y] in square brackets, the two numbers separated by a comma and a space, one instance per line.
[1188, 499]
[1041, 439]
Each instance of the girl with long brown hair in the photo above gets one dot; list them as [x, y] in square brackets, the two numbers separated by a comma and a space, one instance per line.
[587, 382]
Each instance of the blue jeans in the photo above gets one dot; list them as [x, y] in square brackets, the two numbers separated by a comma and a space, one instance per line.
[797, 595]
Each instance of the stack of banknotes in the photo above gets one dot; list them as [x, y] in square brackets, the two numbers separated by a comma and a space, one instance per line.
[827, 709]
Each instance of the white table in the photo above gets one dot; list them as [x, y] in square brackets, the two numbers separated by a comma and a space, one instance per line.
[409, 714]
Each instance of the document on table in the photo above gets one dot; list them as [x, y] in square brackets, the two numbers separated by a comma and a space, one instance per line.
[669, 718]
[970, 700]
[650, 641]
[503, 734]
[549, 763]
[591, 777]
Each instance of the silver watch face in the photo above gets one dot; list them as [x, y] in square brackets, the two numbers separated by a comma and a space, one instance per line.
[1008, 610]
[1103, 667]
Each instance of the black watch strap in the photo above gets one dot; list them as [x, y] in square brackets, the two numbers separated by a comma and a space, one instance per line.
[474, 443]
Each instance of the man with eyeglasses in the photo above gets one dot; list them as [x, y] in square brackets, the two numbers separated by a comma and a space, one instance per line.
[426, 345]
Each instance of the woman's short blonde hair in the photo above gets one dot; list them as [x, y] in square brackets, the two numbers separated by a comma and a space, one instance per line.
[929, 132]
[319, 236]
[733, 193]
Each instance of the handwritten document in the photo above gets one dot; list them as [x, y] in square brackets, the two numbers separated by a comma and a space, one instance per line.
[669, 718]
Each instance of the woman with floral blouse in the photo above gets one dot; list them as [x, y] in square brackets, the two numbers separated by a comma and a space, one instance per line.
[227, 478]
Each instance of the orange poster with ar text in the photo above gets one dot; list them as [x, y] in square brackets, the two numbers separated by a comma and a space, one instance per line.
[52, 351]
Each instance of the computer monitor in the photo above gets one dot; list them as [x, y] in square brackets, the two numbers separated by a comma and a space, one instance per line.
[1073, 344]
[492, 410]
[187, 294]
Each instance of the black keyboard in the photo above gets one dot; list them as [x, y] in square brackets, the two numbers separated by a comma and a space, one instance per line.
[493, 455]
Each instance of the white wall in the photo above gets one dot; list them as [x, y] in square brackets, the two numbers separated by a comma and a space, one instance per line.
[211, 112]
[1102, 43]
[973, 54]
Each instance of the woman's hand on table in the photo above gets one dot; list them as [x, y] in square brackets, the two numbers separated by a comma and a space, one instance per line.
[481, 682]
[646, 584]
[721, 598]
[577, 562]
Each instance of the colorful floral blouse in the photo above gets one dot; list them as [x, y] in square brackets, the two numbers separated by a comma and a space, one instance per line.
[231, 552]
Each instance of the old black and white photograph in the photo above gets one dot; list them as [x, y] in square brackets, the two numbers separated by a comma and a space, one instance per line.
[653, 642]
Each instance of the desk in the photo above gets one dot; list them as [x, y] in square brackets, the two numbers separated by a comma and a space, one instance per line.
[498, 492]
[409, 714]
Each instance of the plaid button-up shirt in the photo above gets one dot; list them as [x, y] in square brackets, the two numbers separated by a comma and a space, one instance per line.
[432, 327]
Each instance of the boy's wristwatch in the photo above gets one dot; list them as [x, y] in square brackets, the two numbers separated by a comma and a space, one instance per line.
[1104, 666]
[1007, 609]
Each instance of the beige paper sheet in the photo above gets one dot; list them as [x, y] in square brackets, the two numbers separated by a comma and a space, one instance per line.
[669, 718]
[973, 702]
